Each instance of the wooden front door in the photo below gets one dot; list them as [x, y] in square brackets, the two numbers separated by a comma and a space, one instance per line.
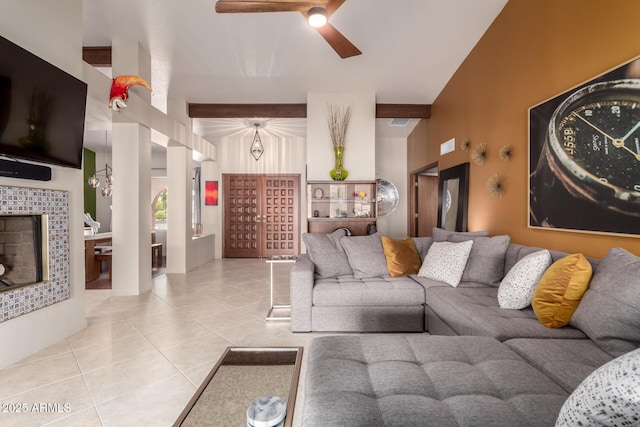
[261, 215]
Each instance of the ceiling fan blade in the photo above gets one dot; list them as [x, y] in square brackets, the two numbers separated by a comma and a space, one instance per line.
[338, 42]
[333, 5]
[252, 6]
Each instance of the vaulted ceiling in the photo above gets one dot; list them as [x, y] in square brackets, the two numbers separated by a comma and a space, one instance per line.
[410, 49]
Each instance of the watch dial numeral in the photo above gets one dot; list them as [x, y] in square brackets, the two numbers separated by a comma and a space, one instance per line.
[615, 110]
[569, 141]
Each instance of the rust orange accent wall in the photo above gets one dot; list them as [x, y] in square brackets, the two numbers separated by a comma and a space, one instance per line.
[533, 51]
[418, 148]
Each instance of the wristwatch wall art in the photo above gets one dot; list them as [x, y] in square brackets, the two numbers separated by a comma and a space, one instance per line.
[588, 173]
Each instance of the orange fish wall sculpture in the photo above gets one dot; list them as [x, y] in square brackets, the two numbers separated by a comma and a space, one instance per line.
[120, 90]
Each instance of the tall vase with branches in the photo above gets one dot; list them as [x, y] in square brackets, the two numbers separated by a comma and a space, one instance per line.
[338, 121]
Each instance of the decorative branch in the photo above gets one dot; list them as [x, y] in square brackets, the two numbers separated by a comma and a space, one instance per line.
[505, 153]
[338, 121]
[479, 155]
[495, 186]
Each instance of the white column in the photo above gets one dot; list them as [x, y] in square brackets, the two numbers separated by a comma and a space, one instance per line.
[179, 188]
[131, 207]
[132, 180]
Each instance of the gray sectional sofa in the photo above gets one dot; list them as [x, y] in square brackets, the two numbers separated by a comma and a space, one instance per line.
[496, 367]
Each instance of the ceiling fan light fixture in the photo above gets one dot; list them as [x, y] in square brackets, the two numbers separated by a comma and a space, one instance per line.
[317, 16]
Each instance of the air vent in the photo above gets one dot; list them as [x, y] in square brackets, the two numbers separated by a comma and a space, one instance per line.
[399, 122]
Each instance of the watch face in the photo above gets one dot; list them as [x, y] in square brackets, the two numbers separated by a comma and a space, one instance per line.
[594, 138]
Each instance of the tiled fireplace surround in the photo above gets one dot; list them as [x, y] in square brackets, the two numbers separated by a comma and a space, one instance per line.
[54, 203]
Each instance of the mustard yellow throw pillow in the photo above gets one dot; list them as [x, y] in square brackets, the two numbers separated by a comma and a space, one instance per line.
[402, 256]
[560, 290]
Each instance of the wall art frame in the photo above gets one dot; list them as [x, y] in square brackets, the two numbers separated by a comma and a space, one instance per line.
[453, 198]
[584, 153]
[211, 193]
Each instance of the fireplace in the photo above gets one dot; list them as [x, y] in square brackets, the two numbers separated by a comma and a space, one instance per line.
[24, 257]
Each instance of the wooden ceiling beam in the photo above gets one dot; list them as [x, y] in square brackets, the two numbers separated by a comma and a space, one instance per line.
[98, 56]
[403, 111]
[288, 111]
[285, 111]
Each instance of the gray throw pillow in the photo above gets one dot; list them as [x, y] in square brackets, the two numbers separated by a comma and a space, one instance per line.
[610, 396]
[441, 235]
[486, 261]
[366, 255]
[609, 312]
[327, 254]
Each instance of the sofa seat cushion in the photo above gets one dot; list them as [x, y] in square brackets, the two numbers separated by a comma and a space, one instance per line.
[567, 362]
[475, 311]
[417, 380]
[349, 291]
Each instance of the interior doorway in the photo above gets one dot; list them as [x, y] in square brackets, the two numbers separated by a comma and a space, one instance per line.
[261, 215]
[423, 211]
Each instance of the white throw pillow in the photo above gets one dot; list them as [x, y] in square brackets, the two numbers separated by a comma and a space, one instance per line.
[610, 396]
[517, 287]
[445, 261]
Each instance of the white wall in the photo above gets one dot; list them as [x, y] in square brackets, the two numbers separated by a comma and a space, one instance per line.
[55, 34]
[391, 164]
[179, 227]
[360, 142]
[281, 155]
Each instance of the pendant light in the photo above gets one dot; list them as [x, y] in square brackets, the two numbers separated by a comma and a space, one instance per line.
[94, 181]
[257, 148]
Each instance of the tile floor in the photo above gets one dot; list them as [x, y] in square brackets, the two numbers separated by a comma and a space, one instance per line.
[142, 357]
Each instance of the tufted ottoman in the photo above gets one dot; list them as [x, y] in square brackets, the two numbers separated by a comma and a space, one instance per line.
[422, 380]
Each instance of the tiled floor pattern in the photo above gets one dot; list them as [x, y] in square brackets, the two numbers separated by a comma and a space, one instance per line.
[142, 357]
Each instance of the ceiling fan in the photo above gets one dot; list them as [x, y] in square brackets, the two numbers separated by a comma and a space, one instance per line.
[308, 8]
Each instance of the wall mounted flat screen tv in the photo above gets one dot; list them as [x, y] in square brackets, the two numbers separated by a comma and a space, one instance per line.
[42, 109]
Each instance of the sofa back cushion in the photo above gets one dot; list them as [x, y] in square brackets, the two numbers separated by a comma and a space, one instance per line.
[366, 255]
[515, 252]
[486, 261]
[422, 245]
[441, 235]
[327, 254]
[609, 312]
